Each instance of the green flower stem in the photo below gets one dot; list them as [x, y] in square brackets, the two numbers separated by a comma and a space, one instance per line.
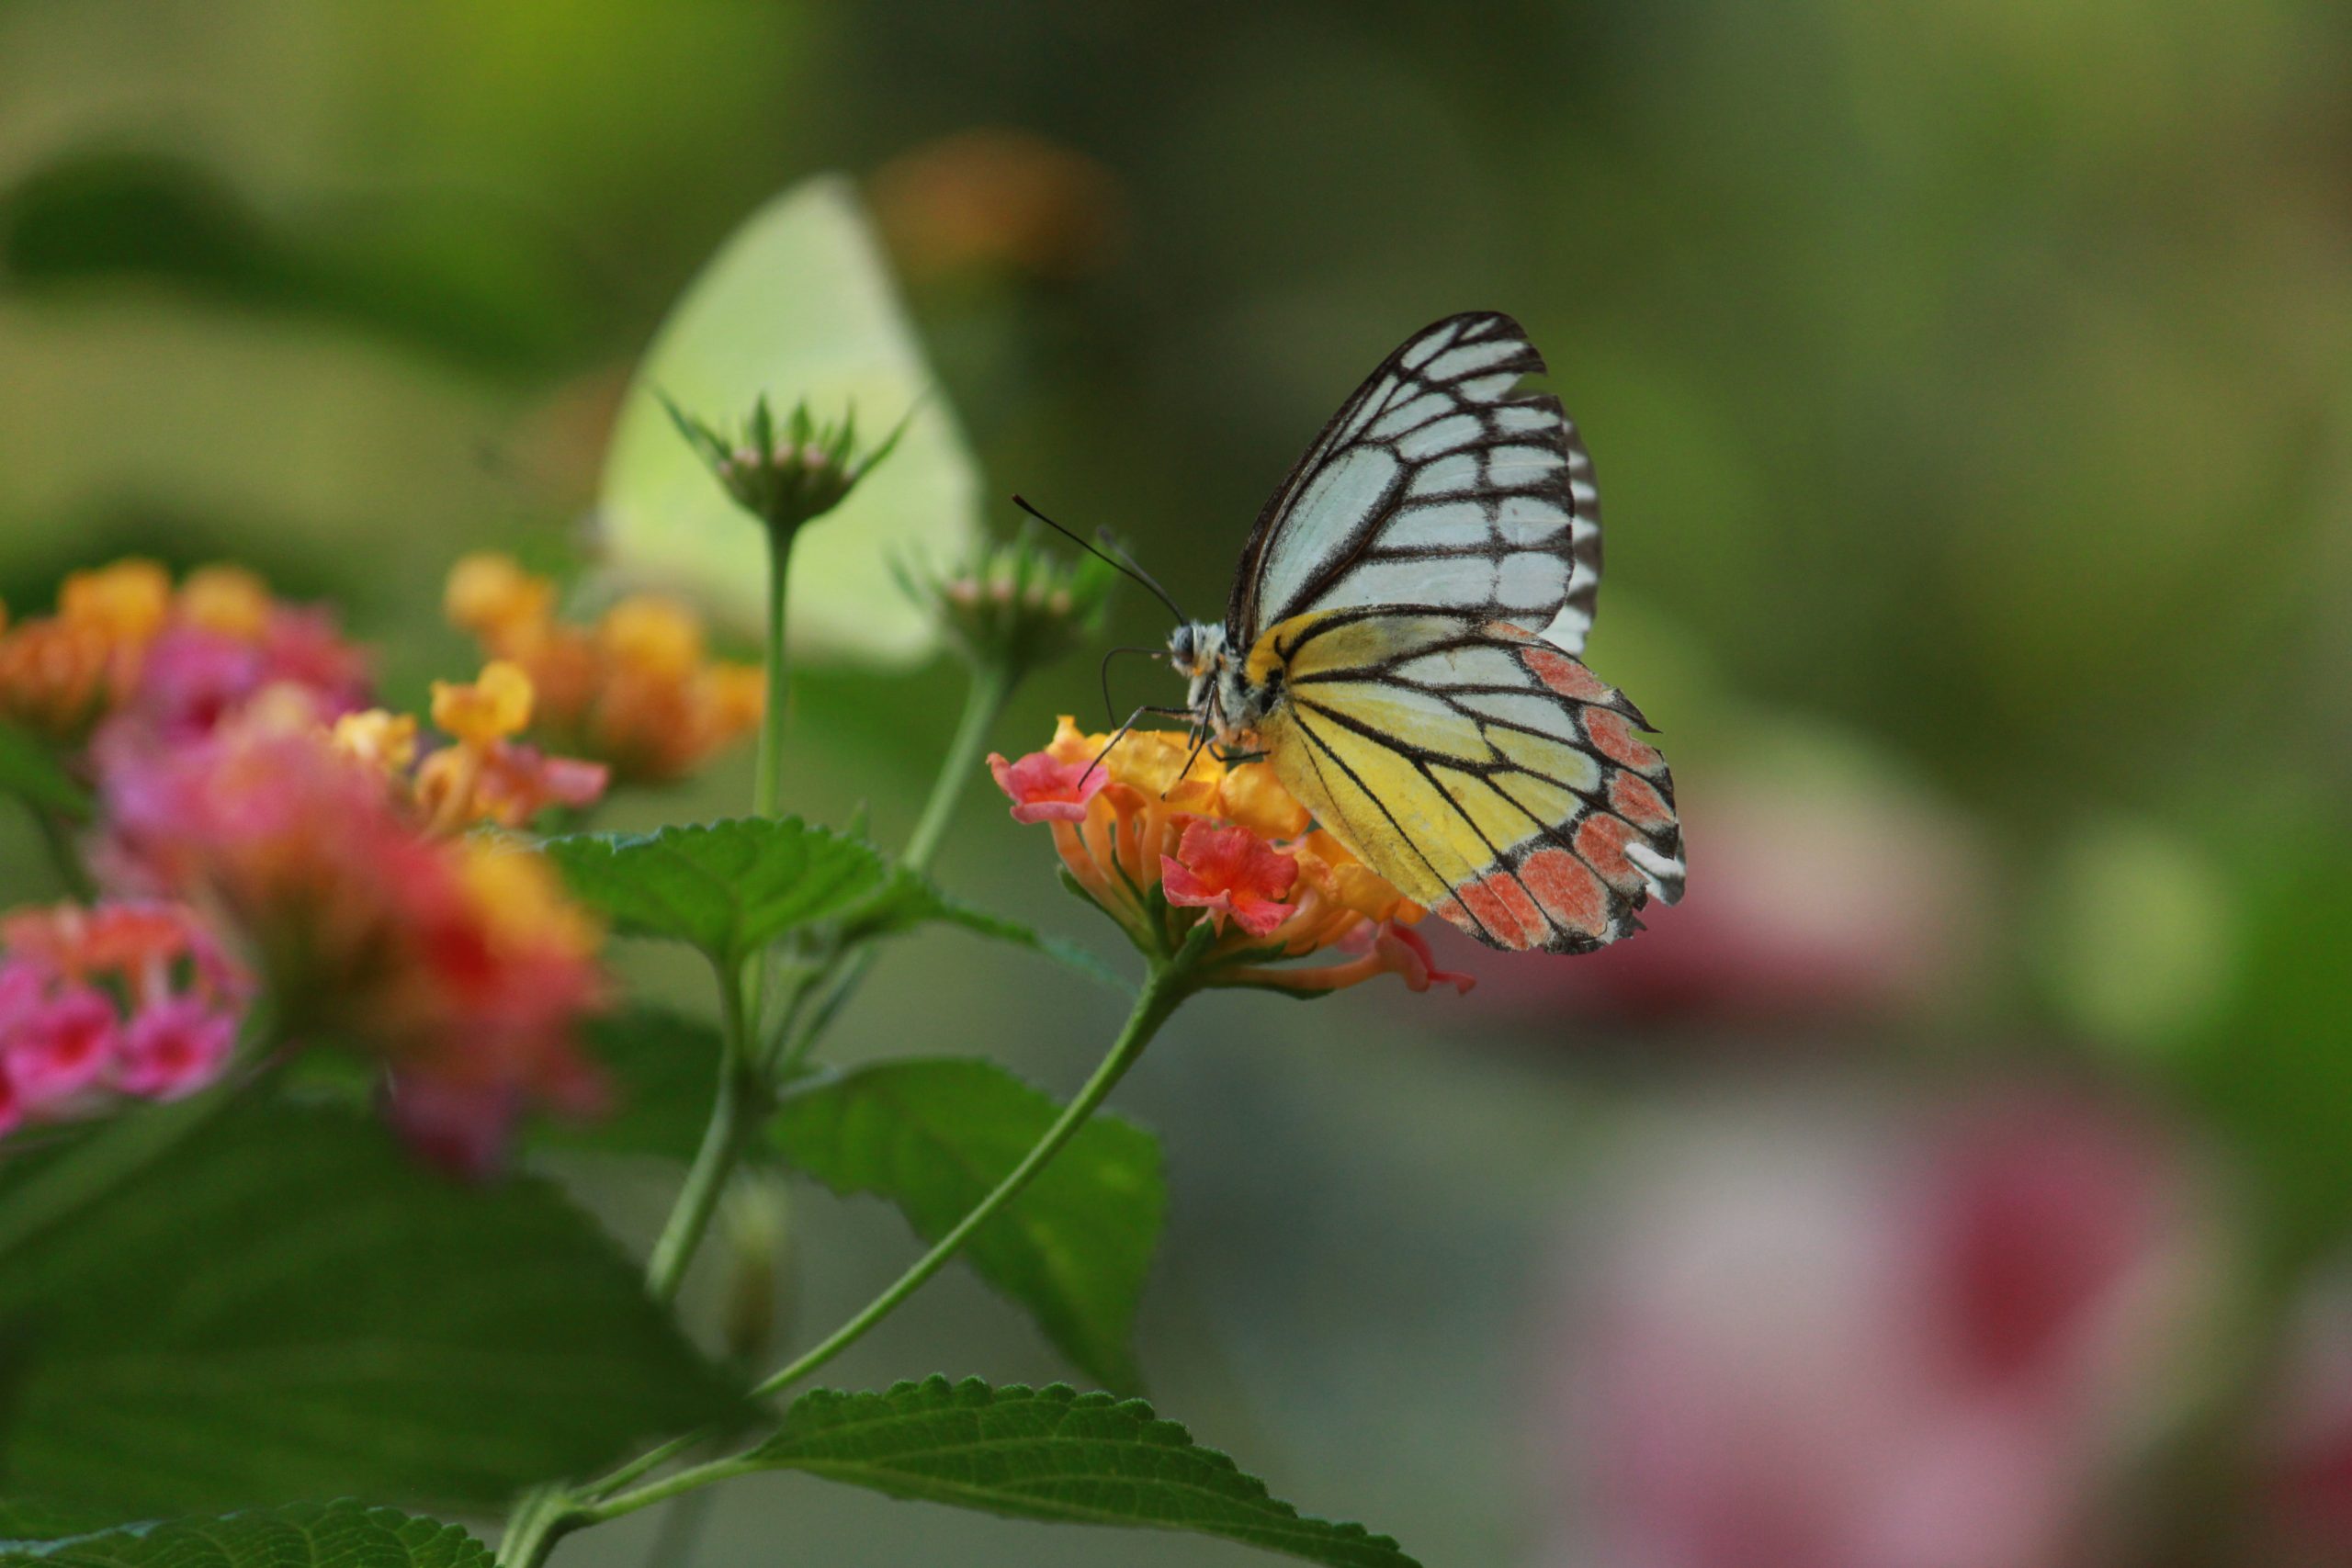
[831, 986]
[984, 702]
[735, 1111]
[767, 787]
[675, 1485]
[1164, 990]
[540, 1517]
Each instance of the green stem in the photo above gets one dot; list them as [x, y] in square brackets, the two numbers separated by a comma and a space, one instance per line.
[672, 1486]
[1164, 990]
[984, 702]
[767, 787]
[540, 1517]
[833, 984]
[735, 1110]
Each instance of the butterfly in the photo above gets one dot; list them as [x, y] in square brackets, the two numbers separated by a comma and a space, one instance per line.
[1401, 645]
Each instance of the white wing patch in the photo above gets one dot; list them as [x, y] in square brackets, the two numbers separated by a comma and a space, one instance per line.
[1438, 484]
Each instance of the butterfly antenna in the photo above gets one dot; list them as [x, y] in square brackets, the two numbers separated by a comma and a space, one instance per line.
[1110, 710]
[1120, 562]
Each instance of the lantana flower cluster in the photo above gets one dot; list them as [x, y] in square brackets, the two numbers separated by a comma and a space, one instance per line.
[1161, 836]
[350, 861]
[131, 999]
[637, 690]
[124, 638]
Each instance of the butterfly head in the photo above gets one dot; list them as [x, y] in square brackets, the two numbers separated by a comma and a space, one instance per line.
[1220, 698]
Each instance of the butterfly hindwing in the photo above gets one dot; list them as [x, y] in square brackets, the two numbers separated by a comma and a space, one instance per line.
[1480, 769]
[1438, 483]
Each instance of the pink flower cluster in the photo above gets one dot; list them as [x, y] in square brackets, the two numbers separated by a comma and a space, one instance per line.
[124, 999]
[455, 962]
[244, 782]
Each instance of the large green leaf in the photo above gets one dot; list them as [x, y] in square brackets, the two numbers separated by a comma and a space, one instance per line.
[29, 769]
[797, 304]
[334, 1535]
[908, 900]
[728, 888]
[285, 1304]
[935, 1134]
[1056, 1454]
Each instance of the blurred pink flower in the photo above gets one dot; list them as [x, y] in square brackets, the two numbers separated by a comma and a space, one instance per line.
[456, 963]
[128, 998]
[1815, 1347]
[1820, 891]
[175, 1048]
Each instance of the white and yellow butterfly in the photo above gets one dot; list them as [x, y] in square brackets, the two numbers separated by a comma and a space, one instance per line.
[1401, 643]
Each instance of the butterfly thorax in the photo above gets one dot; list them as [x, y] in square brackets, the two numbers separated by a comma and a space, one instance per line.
[1221, 696]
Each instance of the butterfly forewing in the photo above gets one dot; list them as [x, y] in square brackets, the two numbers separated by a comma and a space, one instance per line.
[1481, 770]
[1438, 483]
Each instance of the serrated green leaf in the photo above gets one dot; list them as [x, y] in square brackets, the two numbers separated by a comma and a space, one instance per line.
[908, 899]
[332, 1535]
[728, 888]
[1053, 1454]
[664, 1067]
[29, 769]
[935, 1134]
[286, 1306]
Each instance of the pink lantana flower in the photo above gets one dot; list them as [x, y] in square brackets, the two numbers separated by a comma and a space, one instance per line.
[1233, 874]
[1046, 788]
[128, 997]
[64, 1047]
[175, 1048]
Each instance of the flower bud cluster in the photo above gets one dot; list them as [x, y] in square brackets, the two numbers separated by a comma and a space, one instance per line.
[1015, 606]
[785, 475]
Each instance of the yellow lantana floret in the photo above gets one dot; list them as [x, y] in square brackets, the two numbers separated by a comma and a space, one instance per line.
[226, 599]
[493, 705]
[490, 595]
[126, 603]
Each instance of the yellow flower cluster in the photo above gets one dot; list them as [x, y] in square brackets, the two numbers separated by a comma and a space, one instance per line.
[637, 690]
[485, 776]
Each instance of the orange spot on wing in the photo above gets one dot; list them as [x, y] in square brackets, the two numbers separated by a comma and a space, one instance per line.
[1569, 891]
[1566, 676]
[1602, 840]
[1633, 798]
[1615, 740]
[1503, 631]
[1505, 909]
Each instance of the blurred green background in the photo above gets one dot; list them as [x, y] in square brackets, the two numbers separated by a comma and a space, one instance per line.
[1968, 384]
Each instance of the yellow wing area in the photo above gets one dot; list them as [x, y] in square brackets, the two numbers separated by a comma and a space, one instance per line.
[1479, 768]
